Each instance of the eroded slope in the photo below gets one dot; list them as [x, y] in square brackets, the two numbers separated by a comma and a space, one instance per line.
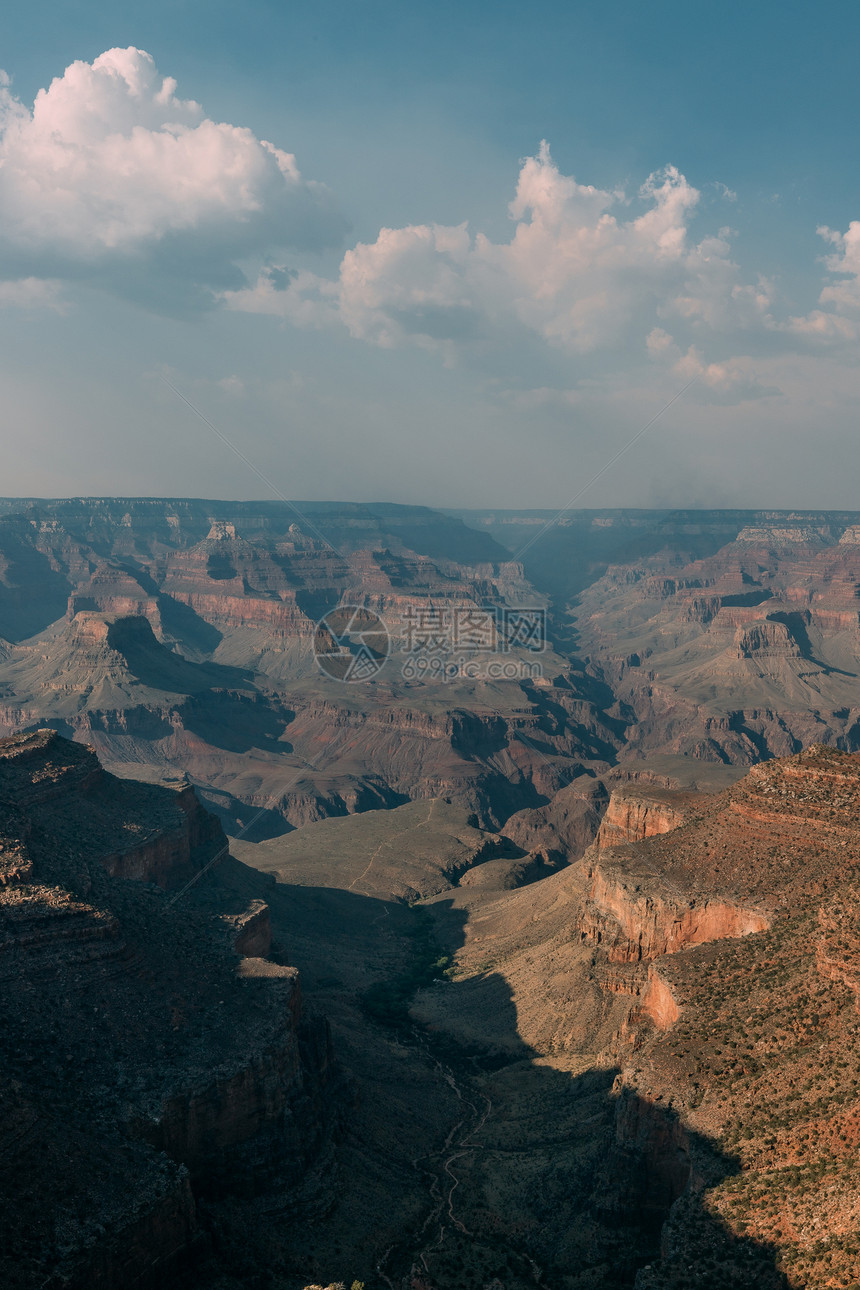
[149, 1061]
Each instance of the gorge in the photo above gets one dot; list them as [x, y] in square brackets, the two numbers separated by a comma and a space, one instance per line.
[428, 982]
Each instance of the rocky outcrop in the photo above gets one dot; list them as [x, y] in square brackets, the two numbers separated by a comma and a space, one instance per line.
[567, 825]
[635, 917]
[779, 535]
[173, 855]
[154, 1055]
[165, 835]
[115, 591]
[753, 1090]
[658, 1002]
[765, 637]
[112, 1215]
[837, 955]
[636, 813]
[648, 1165]
[250, 933]
[44, 929]
[252, 1123]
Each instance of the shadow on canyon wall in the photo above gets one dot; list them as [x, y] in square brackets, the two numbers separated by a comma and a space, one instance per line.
[565, 1174]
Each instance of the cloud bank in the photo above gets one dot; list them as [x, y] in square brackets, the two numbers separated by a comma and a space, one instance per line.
[112, 176]
[598, 277]
[112, 180]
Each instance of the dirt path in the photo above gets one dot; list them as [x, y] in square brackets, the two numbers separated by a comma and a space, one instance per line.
[438, 1169]
[390, 842]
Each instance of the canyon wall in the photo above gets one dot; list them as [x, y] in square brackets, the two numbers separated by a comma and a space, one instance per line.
[155, 1056]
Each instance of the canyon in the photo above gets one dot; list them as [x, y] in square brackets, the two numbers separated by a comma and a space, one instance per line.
[708, 973]
[441, 979]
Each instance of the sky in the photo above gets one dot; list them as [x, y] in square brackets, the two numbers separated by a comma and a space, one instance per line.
[473, 254]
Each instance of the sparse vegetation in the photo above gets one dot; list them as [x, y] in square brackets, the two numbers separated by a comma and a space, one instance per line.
[388, 1001]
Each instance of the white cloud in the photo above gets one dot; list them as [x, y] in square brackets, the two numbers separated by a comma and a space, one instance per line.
[601, 282]
[659, 343]
[586, 271]
[300, 296]
[845, 295]
[573, 272]
[114, 179]
[838, 321]
[411, 282]
[726, 193]
[111, 167]
[232, 385]
[734, 378]
[820, 326]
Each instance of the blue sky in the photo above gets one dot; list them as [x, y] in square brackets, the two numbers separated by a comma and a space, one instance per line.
[499, 365]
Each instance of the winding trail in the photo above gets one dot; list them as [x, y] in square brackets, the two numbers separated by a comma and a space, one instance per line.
[438, 1169]
[390, 842]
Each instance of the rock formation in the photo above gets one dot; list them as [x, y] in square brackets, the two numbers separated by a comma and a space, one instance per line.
[636, 813]
[147, 1063]
[185, 639]
[154, 628]
[712, 972]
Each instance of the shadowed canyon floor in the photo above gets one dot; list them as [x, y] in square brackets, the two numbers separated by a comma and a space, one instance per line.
[638, 1039]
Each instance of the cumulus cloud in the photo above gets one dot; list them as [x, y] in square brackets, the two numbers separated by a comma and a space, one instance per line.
[838, 319]
[301, 297]
[587, 271]
[732, 379]
[411, 283]
[601, 280]
[111, 169]
[114, 179]
[845, 262]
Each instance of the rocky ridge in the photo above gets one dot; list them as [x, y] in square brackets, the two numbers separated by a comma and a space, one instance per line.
[711, 973]
[751, 651]
[148, 1063]
[159, 626]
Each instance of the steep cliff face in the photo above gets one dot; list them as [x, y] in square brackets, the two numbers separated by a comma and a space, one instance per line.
[636, 813]
[635, 917]
[149, 1063]
[174, 854]
[710, 974]
[647, 1166]
[154, 834]
[254, 1123]
[756, 1051]
[113, 590]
